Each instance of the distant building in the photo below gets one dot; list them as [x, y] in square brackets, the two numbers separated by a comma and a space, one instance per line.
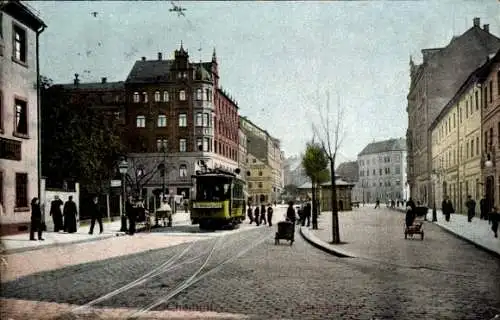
[19, 123]
[265, 163]
[348, 171]
[294, 173]
[382, 172]
[433, 83]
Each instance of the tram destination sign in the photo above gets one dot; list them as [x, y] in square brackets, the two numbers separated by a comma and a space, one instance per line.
[207, 205]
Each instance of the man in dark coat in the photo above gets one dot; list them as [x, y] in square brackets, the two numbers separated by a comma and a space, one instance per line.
[36, 220]
[250, 213]
[131, 214]
[471, 208]
[307, 214]
[263, 214]
[55, 212]
[495, 219]
[315, 211]
[411, 204]
[290, 213]
[483, 207]
[447, 208]
[95, 214]
[256, 215]
[70, 213]
[270, 215]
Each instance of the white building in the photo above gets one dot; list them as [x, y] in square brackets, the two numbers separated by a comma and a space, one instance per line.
[19, 130]
[382, 172]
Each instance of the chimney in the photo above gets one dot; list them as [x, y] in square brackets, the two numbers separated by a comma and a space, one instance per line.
[486, 27]
[477, 22]
[103, 80]
[159, 56]
[143, 58]
[76, 81]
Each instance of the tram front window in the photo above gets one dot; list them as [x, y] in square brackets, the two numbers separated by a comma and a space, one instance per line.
[213, 189]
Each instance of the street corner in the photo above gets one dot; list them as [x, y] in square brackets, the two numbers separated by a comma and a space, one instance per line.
[309, 236]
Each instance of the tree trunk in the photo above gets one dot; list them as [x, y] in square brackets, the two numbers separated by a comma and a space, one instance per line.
[335, 215]
[313, 189]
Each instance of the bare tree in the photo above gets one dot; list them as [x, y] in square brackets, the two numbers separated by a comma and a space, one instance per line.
[330, 134]
[141, 171]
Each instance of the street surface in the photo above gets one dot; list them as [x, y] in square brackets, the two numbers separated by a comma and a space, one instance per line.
[242, 274]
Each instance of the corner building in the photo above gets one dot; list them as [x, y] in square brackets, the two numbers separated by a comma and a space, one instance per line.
[19, 124]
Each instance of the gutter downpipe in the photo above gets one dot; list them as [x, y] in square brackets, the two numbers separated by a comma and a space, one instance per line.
[39, 112]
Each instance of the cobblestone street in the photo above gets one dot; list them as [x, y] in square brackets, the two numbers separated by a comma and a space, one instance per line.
[246, 274]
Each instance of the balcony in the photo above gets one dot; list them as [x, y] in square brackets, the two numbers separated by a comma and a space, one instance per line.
[203, 131]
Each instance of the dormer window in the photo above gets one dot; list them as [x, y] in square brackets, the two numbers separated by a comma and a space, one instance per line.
[136, 97]
[182, 95]
[144, 97]
[199, 94]
[140, 121]
[165, 96]
[157, 96]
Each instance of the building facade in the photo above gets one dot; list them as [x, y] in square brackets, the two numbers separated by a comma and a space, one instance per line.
[19, 123]
[242, 153]
[382, 171]
[433, 83]
[265, 163]
[293, 172]
[490, 124]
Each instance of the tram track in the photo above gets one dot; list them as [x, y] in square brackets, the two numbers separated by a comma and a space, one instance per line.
[176, 262]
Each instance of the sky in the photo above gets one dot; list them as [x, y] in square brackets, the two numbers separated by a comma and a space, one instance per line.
[278, 60]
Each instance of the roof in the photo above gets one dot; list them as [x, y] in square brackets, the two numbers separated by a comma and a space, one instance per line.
[119, 85]
[338, 182]
[145, 71]
[23, 14]
[384, 146]
[348, 170]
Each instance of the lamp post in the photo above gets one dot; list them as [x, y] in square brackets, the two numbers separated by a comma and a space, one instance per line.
[123, 167]
[434, 213]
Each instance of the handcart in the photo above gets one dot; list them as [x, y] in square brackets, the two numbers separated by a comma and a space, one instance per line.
[415, 228]
[286, 231]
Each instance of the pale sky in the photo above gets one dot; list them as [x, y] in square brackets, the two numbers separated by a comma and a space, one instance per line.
[277, 59]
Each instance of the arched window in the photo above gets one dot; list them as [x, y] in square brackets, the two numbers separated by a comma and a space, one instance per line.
[182, 170]
[140, 121]
[144, 97]
[199, 94]
[182, 95]
[165, 96]
[136, 97]
[157, 96]
[162, 121]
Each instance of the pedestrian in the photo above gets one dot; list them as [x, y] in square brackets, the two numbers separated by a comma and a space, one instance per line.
[290, 213]
[315, 210]
[410, 203]
[96, 214]
[483, 208]
[471, 208]
[256, 215]
[447, 208]
[495, 219]
[36, 220]
[250, 213]
[70, 213]
[56, 213]
[263, 214]
[410, 217]
[270, 215]
[131, 215]
[377, 204]
[307, 214]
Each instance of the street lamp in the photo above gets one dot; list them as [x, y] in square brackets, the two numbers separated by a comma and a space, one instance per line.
[123, 167]
[434, 178]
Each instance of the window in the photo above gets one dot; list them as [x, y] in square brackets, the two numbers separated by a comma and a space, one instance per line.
[199, 144]
[498, 83]
[380, 171]
[161, 144]
[21, 190]
[250, 185]
[260, 173]
[260, 185]
[157, 96]
[144, 97]
[19, 44]
[454, 120]
[254, 160]
[477, 145]
[136, 97]
[206, 143]
[182, 95]
[199, 94]
[1, 172]
[10, 149]
[491, 90]
[398, 169]
[182, 145]
[199, 119]
[182, 120]
[1, 102]
[476, 96]
[140, 121]
[472, 148]
[21, 118]
[208, 94]
[162, 121]
[205, 120]
[183, 170]
[165, 96]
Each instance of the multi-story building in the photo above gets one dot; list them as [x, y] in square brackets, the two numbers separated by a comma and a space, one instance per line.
[293, 172]
[177, 114]
[433, 84]
[20, 29]
[242, 153]
[456, 144]
[348, 171]
[490, 123]
[265, 163]
[382, 171]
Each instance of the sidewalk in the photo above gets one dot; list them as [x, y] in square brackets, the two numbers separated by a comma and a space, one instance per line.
[20, 242]
[376, 233]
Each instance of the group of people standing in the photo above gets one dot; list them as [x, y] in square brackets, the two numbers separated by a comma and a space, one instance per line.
[64, 220]
[259, 214]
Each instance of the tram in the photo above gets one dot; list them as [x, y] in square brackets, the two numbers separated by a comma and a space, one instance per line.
[218, 200]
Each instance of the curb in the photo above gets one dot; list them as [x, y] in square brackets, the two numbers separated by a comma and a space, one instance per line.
[60, 244]
[322, 245]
